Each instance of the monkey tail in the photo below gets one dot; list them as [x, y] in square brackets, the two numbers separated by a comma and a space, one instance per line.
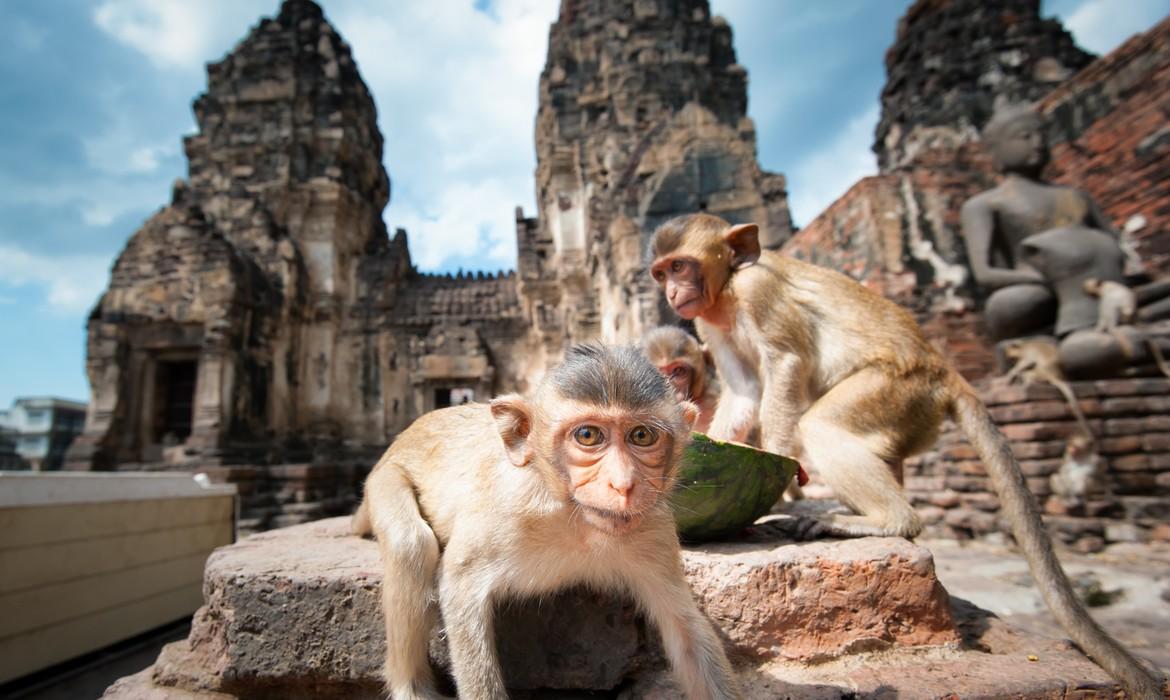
[1022, 512]
[1064, 388]
[1159, 359]
[360, 524]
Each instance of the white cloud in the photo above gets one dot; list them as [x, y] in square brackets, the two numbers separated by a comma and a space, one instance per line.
[73, 282]
[457, 95]
[177, 33]
[1102, 25]
[822, 177]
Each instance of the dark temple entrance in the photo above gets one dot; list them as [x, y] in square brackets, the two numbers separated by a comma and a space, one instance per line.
[174, 400]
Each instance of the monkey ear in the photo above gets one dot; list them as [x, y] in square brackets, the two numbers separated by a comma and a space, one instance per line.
[514, 421]
[690, 413]
[744, 241]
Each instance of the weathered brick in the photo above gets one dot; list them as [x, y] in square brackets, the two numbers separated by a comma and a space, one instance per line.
[1156, 442]
[1120, 445]
[972, 520]
[1039, 467]
[980, 501]
[967, 483]
[1038, 450]
[1134, 483]
[1028, 432]
[1130, 463]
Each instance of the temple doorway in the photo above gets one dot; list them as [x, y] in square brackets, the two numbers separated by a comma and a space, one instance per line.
[174, 392]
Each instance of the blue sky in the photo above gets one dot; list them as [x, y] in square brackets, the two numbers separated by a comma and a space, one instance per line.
[97, 96]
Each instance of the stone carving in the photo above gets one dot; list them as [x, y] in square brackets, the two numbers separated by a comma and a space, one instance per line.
[265, 319]
[1032, 245]
[949, 63]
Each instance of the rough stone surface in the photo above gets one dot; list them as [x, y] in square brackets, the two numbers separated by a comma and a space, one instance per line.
[1129, 416]
[984, 657]
[297, 609]
[1109, 137]
[952, 59]
[265, 317]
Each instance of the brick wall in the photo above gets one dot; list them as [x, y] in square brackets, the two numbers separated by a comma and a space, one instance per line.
[1110, 134]
[1131, 419]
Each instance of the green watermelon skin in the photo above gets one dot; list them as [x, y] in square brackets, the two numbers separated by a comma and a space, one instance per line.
[724, 487]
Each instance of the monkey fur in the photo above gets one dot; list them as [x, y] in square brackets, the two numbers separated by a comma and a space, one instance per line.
[1117, 306]
[1038, 360]
[478, 503]
[680, 358]
[845, 378]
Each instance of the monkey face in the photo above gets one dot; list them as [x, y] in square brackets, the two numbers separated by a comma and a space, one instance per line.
[681, 377]
[618, 467]
[681, 280]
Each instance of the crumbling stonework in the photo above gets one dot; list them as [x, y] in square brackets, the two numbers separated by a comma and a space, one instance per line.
[1131, 418]
[265, 327]
[642, 117]
[951, 61]
[1109, 135]
[265, 320]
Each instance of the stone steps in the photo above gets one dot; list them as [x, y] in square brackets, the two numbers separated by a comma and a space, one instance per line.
[294, 613]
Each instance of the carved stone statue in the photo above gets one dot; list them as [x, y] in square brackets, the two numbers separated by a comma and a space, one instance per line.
[1033, 244]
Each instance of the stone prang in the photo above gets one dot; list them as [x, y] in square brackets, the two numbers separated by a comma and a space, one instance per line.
[642, 117]
[951, 61]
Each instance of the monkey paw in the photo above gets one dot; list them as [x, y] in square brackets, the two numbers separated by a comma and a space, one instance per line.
[799, 528]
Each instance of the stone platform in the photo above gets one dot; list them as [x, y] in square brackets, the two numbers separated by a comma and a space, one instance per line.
[294, 613]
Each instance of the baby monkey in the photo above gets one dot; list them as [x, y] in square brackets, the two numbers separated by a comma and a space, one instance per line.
[478, 503]
[680, 358]
[1117, 306]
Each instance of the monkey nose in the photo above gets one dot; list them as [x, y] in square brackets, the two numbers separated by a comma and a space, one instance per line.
[623, 493]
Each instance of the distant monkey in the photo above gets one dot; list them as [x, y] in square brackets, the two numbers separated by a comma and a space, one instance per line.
[474, 504]
[845, 375]
[1080, 474]
[1038, 360]
[680, 358]
[1117, 307]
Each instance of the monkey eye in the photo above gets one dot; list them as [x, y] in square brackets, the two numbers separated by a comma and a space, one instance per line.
[676, 266]
[643, 436]
[587, 435]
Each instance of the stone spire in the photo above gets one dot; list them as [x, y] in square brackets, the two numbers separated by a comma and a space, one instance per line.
[950, 62]
[642, 117]
[286, 114]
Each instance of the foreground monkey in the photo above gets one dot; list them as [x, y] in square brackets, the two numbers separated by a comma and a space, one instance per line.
[527, 496]
[844, 375]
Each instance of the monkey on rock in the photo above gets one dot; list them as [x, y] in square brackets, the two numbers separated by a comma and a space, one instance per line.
[844, 378]
[474, 504]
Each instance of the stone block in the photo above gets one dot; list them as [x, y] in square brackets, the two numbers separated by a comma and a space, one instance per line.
[298, 608]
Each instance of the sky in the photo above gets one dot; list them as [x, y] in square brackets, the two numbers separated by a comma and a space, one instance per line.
[97, 95]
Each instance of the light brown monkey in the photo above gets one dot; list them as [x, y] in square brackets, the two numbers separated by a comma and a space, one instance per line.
[1038, 360]
[679, 357]
[1080, 474]
[474, 504]
[846, 376]
[1117, 307]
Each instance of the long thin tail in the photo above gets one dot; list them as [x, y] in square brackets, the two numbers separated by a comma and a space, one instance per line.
[1020, 508]
[1064, 388]
[1159, 359]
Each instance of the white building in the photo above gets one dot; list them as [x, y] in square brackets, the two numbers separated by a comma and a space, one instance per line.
[42, 428]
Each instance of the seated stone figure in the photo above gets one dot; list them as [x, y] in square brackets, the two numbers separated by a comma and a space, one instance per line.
[1032, 244]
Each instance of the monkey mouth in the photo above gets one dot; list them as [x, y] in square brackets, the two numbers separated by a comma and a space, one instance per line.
[684, 309]
[610, 521]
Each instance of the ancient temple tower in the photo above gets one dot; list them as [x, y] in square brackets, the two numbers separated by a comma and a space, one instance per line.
[642, 117]
[951, 61]
[264, 316]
